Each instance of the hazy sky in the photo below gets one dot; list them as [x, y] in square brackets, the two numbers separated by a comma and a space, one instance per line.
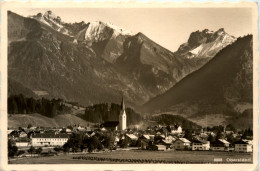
[170, 27]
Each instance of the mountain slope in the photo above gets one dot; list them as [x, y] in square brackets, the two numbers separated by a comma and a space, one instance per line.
[217, 87]
[46, 60]
[98, 64]
[140, 58]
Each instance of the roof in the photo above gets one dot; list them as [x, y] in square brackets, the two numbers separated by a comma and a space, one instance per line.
[44, 135]
[170, 138]
[131, 136]
[184, 140]
[167, 141]
[243, 141]
[146, 137]
[122, 104]
[163, 136]
[110, 124]
[224, 141]
[23, 139]
[200, 141]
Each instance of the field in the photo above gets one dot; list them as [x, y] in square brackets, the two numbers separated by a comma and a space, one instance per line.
[17, 120]
[176, 156]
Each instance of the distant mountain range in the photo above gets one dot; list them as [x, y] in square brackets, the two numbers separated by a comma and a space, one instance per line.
[98, 62]
[223, 86]
[208, 76]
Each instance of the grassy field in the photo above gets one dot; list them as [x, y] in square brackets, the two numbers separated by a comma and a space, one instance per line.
[16, 120]
[178, 156]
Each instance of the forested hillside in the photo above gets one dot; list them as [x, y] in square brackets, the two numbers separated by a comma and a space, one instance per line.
[103, 112]
[18, 104]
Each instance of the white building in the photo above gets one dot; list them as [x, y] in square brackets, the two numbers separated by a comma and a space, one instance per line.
[122, 116]
[220, 145]
[244, 146]
[22, 144]
[182, 144]
[200, 145]
[49, 139]
[176, 129]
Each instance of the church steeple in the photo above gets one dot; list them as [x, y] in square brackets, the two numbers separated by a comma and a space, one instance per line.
[122, 116]
[122, 104]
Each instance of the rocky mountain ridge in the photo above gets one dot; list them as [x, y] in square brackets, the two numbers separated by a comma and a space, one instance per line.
[92, 62]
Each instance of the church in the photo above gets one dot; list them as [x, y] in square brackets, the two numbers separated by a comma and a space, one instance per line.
[121, 123]
[122, 116]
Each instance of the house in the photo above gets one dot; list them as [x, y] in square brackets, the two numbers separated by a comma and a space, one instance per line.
[65, 130]
[158, 138]
[167, 143]
[49, 139]
[182, 144]
[110, 125]
[22, 142]
[14, 134]
[160, 147]
[176, 129]
[33, 128]
[81, 128]
[9, 131]
[131, 137]
[144, 144]
[220, 145]
[116, 140]
[170, 138]
[145, 139]
[229, 132]
[22, 134]
[198, 144]
[244, 146]
[156, 147]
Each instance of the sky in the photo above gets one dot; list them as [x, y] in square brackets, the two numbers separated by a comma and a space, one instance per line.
[169, 27]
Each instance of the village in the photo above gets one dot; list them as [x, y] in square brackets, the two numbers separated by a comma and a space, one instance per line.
[115, 136]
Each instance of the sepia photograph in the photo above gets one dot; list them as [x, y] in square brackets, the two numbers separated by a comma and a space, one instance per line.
[130, 85]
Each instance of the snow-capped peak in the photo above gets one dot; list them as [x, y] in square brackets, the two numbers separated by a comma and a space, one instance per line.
[50, 19]
[119, 30]
[99, 31]
[213, 43]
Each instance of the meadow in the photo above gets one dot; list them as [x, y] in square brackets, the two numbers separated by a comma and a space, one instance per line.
[175, 156]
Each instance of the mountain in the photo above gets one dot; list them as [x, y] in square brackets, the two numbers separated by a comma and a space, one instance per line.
[93, 62]
[222, 86]
[43, 59]
[205, 44]
[50, 19]
[145, 61]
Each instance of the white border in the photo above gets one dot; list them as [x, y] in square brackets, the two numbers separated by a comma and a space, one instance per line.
[67, 4]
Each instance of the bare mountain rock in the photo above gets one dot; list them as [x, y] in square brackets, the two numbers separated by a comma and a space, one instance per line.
[96, 62]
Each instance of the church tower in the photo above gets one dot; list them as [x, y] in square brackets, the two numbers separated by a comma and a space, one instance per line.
[122, 116]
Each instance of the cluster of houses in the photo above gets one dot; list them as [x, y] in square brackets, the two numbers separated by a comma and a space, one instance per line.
[149, 139]
[156, 138]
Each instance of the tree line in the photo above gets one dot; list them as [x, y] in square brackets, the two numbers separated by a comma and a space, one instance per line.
[19, 104]
[79, 142]
[99, 113]
[168, 119]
